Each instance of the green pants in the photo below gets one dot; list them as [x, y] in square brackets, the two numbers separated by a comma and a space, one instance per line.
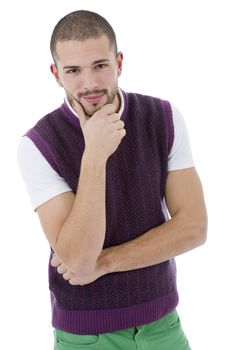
[165, 334]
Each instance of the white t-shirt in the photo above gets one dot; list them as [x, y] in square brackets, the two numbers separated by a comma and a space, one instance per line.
[43, 182]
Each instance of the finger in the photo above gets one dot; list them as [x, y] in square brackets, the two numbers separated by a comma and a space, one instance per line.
[107, 109]
[122, 133]
[55, 261]
[61, 269]
[119, 124]
[115, 117]
[80, 111]
[74, 281]
[67, 275]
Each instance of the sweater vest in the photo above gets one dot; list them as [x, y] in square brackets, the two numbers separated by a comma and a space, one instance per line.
[136, 176]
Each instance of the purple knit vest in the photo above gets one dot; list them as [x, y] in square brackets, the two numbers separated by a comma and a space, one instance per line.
[135, 183]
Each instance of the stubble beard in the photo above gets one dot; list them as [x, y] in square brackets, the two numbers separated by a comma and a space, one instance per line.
[94, 108]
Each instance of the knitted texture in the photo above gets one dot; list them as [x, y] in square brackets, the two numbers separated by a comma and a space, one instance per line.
[135, 183]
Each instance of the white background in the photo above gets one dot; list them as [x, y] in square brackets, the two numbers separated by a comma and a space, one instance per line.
[177, 50]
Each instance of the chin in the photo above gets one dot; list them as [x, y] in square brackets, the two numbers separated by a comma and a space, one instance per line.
[91, 110]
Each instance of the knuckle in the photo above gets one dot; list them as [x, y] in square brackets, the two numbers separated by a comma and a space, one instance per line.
[110, 107]
[66, 276]
[122, 123]
[74, 281]
[123, 132]
[116, 117]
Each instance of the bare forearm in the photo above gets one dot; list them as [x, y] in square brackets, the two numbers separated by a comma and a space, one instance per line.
[155, 246]
[81, 237]
[184, 231]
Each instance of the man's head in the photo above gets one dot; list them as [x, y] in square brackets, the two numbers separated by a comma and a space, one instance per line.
[81, 25]
[86, 62]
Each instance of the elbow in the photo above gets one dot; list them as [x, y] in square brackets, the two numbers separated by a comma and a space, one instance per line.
[75, 260]
[80, 265]
[196, 227]
[82, 268]
[201, 230]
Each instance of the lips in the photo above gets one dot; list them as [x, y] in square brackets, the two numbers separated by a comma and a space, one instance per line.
[93, 98]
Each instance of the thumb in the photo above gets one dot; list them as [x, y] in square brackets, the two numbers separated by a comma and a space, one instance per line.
[80, 111]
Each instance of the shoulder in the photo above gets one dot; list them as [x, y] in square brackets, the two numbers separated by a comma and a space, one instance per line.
[30, 158]
[153, 106]
[149, 103]
[48, 118]
[41, 180]
[153, 111]
[180, 156]
[146, 100]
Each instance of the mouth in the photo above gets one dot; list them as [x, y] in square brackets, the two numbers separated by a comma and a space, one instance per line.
[93, 98]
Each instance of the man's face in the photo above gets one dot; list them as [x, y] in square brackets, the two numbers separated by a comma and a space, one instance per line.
[88, 71]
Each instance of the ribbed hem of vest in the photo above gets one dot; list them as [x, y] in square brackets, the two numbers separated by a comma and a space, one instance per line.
[169, 120]
[112, 320]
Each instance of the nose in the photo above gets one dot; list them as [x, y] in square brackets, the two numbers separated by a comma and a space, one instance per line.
[89, 81]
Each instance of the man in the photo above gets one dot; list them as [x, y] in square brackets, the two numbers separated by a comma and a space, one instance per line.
[112, 179]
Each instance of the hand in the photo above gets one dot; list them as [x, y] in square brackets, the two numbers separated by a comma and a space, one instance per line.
[77, 279]
[103, 131]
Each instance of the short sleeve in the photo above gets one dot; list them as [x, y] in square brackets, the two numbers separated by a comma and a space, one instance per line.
[41, 180]
[180, 156]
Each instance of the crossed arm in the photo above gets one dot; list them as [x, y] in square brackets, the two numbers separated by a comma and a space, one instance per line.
[185, 230]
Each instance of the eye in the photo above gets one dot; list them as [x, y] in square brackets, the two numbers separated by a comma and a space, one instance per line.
[73, 71]
[101, 66]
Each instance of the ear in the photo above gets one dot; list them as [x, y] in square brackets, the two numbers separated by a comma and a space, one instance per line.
[119, 63]
[54, 70]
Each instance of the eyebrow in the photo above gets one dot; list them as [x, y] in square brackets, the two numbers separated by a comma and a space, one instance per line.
[95, 62]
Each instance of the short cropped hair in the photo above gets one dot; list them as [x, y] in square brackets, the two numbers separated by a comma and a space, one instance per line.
[81, 25]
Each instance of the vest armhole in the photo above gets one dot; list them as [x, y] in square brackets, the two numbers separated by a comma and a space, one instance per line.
[36, 138]
[167, 112]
